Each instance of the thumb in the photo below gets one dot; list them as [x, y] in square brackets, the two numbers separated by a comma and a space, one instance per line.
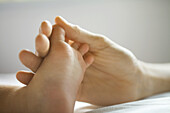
[75, 33]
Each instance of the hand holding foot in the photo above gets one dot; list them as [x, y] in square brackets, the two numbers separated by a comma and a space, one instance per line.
[116, 74]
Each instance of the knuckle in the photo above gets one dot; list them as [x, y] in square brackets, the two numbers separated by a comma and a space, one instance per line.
[76, 28]
[100, 38]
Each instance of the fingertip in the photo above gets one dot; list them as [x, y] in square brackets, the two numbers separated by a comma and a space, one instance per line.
[86, 46]
[18, 75]
[46, 28]
[56, 19]
[74, 32]
[22, 54]
[24, 77]
[30, 60]
[89, 59]
[59, 19]
[62, 22]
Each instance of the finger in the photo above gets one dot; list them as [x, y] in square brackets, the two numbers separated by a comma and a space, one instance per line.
[46, 28]
[75, 45]
[58, 34]
[83, 49]
[30, 60]
[89, 59]
[76, 33]
[24, 77]
[42, 45]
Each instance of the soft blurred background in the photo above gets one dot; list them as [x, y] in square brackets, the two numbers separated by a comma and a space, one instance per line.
[143, 26]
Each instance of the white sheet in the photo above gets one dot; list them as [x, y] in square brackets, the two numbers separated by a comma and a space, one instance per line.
[152, 105]
[155, 104]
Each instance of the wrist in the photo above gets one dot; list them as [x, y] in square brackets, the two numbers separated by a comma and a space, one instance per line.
[154, 79]
[146, 86]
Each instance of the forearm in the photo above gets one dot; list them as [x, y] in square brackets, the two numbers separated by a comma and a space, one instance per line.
[156, 78]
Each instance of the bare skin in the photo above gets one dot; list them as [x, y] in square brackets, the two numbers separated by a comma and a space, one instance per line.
[55, 84]
[116, 76]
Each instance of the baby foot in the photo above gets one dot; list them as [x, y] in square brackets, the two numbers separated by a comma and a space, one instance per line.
[32, 61]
